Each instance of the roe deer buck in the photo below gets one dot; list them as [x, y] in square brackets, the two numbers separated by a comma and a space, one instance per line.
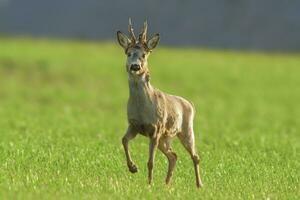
[152, 113]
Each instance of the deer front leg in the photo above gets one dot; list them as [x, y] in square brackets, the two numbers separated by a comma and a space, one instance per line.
[152, 148]
[130, 134]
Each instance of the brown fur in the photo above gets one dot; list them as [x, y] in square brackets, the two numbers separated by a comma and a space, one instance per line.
[155, 114]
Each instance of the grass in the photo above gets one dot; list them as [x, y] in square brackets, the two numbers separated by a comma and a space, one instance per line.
[63, 113]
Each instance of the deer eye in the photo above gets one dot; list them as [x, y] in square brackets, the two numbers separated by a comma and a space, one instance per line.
[129, 54]
[144, 55]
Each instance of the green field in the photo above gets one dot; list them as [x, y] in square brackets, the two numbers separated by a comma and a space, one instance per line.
[63, 114]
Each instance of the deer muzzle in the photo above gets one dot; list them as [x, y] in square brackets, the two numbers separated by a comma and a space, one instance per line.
[135, 67]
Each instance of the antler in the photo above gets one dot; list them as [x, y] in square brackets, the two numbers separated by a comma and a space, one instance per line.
[143, 34]
[130, 29]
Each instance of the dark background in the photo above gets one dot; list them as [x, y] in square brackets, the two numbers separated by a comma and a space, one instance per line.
[239, 24]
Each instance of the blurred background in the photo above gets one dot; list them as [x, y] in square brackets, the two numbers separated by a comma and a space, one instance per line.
[252, 24]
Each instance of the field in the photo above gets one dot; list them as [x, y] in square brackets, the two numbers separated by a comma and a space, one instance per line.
[63, 113]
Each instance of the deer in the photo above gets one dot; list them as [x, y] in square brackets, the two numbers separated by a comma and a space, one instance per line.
[153, 113]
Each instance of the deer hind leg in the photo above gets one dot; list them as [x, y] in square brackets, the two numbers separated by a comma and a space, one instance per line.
[130, 134]
[188, 140]
[164, 147]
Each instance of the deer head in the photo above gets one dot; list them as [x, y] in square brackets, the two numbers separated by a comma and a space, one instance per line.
[137, 50]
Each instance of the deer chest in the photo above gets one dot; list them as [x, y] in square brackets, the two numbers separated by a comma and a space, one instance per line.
[144, 113]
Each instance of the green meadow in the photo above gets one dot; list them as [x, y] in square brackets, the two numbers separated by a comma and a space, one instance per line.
[63, 114]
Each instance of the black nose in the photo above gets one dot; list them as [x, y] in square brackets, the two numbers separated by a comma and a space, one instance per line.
[135, 67]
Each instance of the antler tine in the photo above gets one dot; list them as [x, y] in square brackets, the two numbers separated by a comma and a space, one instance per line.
[130, 29]
[143, 35]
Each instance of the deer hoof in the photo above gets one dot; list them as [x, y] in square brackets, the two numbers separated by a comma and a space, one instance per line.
[199, 185]
[133, 169]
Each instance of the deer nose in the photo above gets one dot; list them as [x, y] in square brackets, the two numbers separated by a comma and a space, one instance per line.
[135, 67]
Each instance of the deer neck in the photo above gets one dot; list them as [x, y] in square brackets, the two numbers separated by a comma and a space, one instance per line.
[140, 89]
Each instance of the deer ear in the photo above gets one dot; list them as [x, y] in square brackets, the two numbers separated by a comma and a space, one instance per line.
[123, 40]
[152, 43]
